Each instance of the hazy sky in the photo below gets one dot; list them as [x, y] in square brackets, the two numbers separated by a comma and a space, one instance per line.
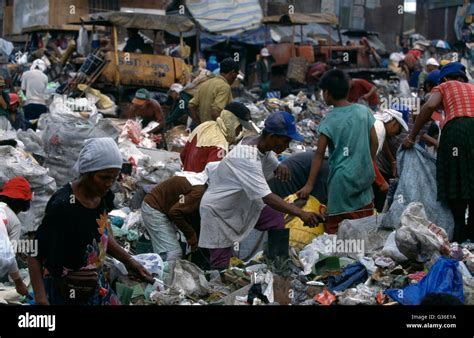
[410, 5]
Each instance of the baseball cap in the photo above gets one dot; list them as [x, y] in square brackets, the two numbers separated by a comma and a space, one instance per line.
[452, 68]
[432, 62]
[176, 87]
[434, 76]
[282, 123]
[17, 188]
[141, 96]
[13, 98]
[264, 52]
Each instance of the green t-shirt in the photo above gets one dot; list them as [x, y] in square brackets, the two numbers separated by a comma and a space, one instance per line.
[351, 171]
[6, 97]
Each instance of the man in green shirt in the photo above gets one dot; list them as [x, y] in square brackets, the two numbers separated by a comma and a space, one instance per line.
[348, 130]
[214, 94]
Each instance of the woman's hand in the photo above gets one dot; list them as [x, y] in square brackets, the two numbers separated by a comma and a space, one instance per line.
[133, 266]
[408, 143]
[20, 287]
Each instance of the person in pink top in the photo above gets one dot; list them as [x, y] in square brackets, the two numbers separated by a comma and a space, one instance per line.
[455, 160]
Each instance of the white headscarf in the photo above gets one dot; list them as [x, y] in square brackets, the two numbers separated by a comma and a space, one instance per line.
[98, 154]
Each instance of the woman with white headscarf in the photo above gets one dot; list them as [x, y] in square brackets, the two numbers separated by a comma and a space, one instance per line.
[75, 235]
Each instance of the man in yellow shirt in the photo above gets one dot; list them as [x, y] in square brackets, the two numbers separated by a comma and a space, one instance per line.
[215, 94]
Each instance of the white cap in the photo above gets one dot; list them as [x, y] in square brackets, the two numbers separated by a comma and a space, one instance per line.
[389, 114]
[432, 62]
[176, 87]
[264, 52]
[39, 64]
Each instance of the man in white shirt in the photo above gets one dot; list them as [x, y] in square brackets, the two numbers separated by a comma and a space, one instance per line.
[15, 198]
[34, 83]
[239, 199]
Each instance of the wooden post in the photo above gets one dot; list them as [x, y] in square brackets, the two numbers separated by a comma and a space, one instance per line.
[198, 42]
[116, 58]
[301, 33]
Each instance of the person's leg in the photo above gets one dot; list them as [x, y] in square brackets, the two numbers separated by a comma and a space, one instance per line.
[220, 258]
[270, 219]
[162, 233]
[458, 208]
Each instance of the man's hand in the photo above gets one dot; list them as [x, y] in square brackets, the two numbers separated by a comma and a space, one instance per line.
[282, 173]
[20, 287]
[310, 219]
[304, 192]
[193, 242]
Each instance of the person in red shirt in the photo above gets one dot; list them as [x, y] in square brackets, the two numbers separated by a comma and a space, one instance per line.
[210, 140]
[363, 89]
[455, 158]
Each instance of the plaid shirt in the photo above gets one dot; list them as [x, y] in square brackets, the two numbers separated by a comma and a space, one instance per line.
[458, 99]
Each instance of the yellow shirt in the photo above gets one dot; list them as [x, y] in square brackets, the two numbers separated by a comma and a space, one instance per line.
[214, 94]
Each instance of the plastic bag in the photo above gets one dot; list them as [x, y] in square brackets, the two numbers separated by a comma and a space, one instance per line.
[152, 262]
[15, 162]
[315, 251]
[7, 256]
[364, 230]
[418, 238]
[83, 42]
[189, 278]
[390, 249]
[417, 170]
[301, 235]
[444, 277]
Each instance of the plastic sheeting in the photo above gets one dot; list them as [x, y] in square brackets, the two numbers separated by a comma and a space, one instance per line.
[444, 277]
[63, 134]
[16, 163]
[417, 170]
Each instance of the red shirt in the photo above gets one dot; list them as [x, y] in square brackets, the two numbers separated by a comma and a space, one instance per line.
[359, 88]
[458, 99]
[195, 158]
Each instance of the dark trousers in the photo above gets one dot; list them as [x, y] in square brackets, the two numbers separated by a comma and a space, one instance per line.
[461, 231]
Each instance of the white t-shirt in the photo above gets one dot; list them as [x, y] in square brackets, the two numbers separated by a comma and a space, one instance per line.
[13, 227]
[34, 83]
[231, 206]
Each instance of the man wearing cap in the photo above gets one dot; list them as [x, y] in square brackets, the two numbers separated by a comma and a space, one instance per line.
[213, 95]
[431, 65]
[239, 199]
[147, 109]
[15, 198]
[455, 157]
[16, 116]
[34, 83]
[210, 140]
[264, 71]
[178, 105]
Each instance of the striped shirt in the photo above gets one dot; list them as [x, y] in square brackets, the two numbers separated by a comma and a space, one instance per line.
[458, 99]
